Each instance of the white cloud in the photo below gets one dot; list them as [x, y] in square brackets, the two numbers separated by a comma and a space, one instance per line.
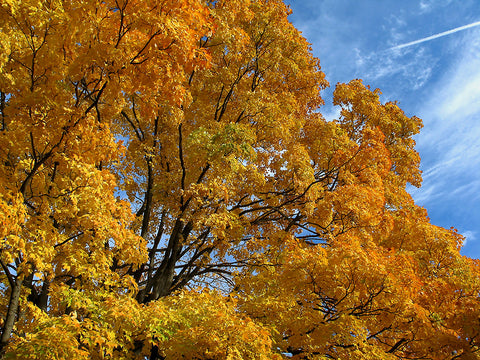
[425, 194]
[440, 167]
[470, 189]
[414, 67]
[428, 5]
[465, 101]
[424, 6]
[469, 236]
[449, 141]
[331, 112]
[455, 102]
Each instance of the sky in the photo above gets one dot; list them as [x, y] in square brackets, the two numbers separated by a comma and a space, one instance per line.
[425, 54]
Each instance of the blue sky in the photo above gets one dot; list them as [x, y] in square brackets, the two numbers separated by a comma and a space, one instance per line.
[426, 55]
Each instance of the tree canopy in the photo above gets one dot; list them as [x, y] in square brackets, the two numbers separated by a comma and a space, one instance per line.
[170, 189]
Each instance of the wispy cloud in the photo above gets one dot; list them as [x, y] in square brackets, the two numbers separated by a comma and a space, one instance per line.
[449, 143]
[469, 236]
[454, 103]
[331, 112]
[414, 68]
[429, 5]
[436, 36]
[441, 167]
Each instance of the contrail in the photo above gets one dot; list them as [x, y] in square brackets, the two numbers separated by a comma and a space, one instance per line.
[436, 36]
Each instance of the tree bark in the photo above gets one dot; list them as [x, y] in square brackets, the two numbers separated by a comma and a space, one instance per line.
[11, 313]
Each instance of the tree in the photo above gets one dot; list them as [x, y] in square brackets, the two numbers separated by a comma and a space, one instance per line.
[170, 189]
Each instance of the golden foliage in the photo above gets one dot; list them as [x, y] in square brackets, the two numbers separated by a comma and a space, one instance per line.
[169, 189]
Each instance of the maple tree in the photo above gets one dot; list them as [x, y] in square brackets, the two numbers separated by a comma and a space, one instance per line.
[170, 189]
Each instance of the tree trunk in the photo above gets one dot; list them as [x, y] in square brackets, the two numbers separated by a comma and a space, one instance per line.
[11, 313]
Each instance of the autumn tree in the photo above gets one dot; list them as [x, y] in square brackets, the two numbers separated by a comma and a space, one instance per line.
[171, 190]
